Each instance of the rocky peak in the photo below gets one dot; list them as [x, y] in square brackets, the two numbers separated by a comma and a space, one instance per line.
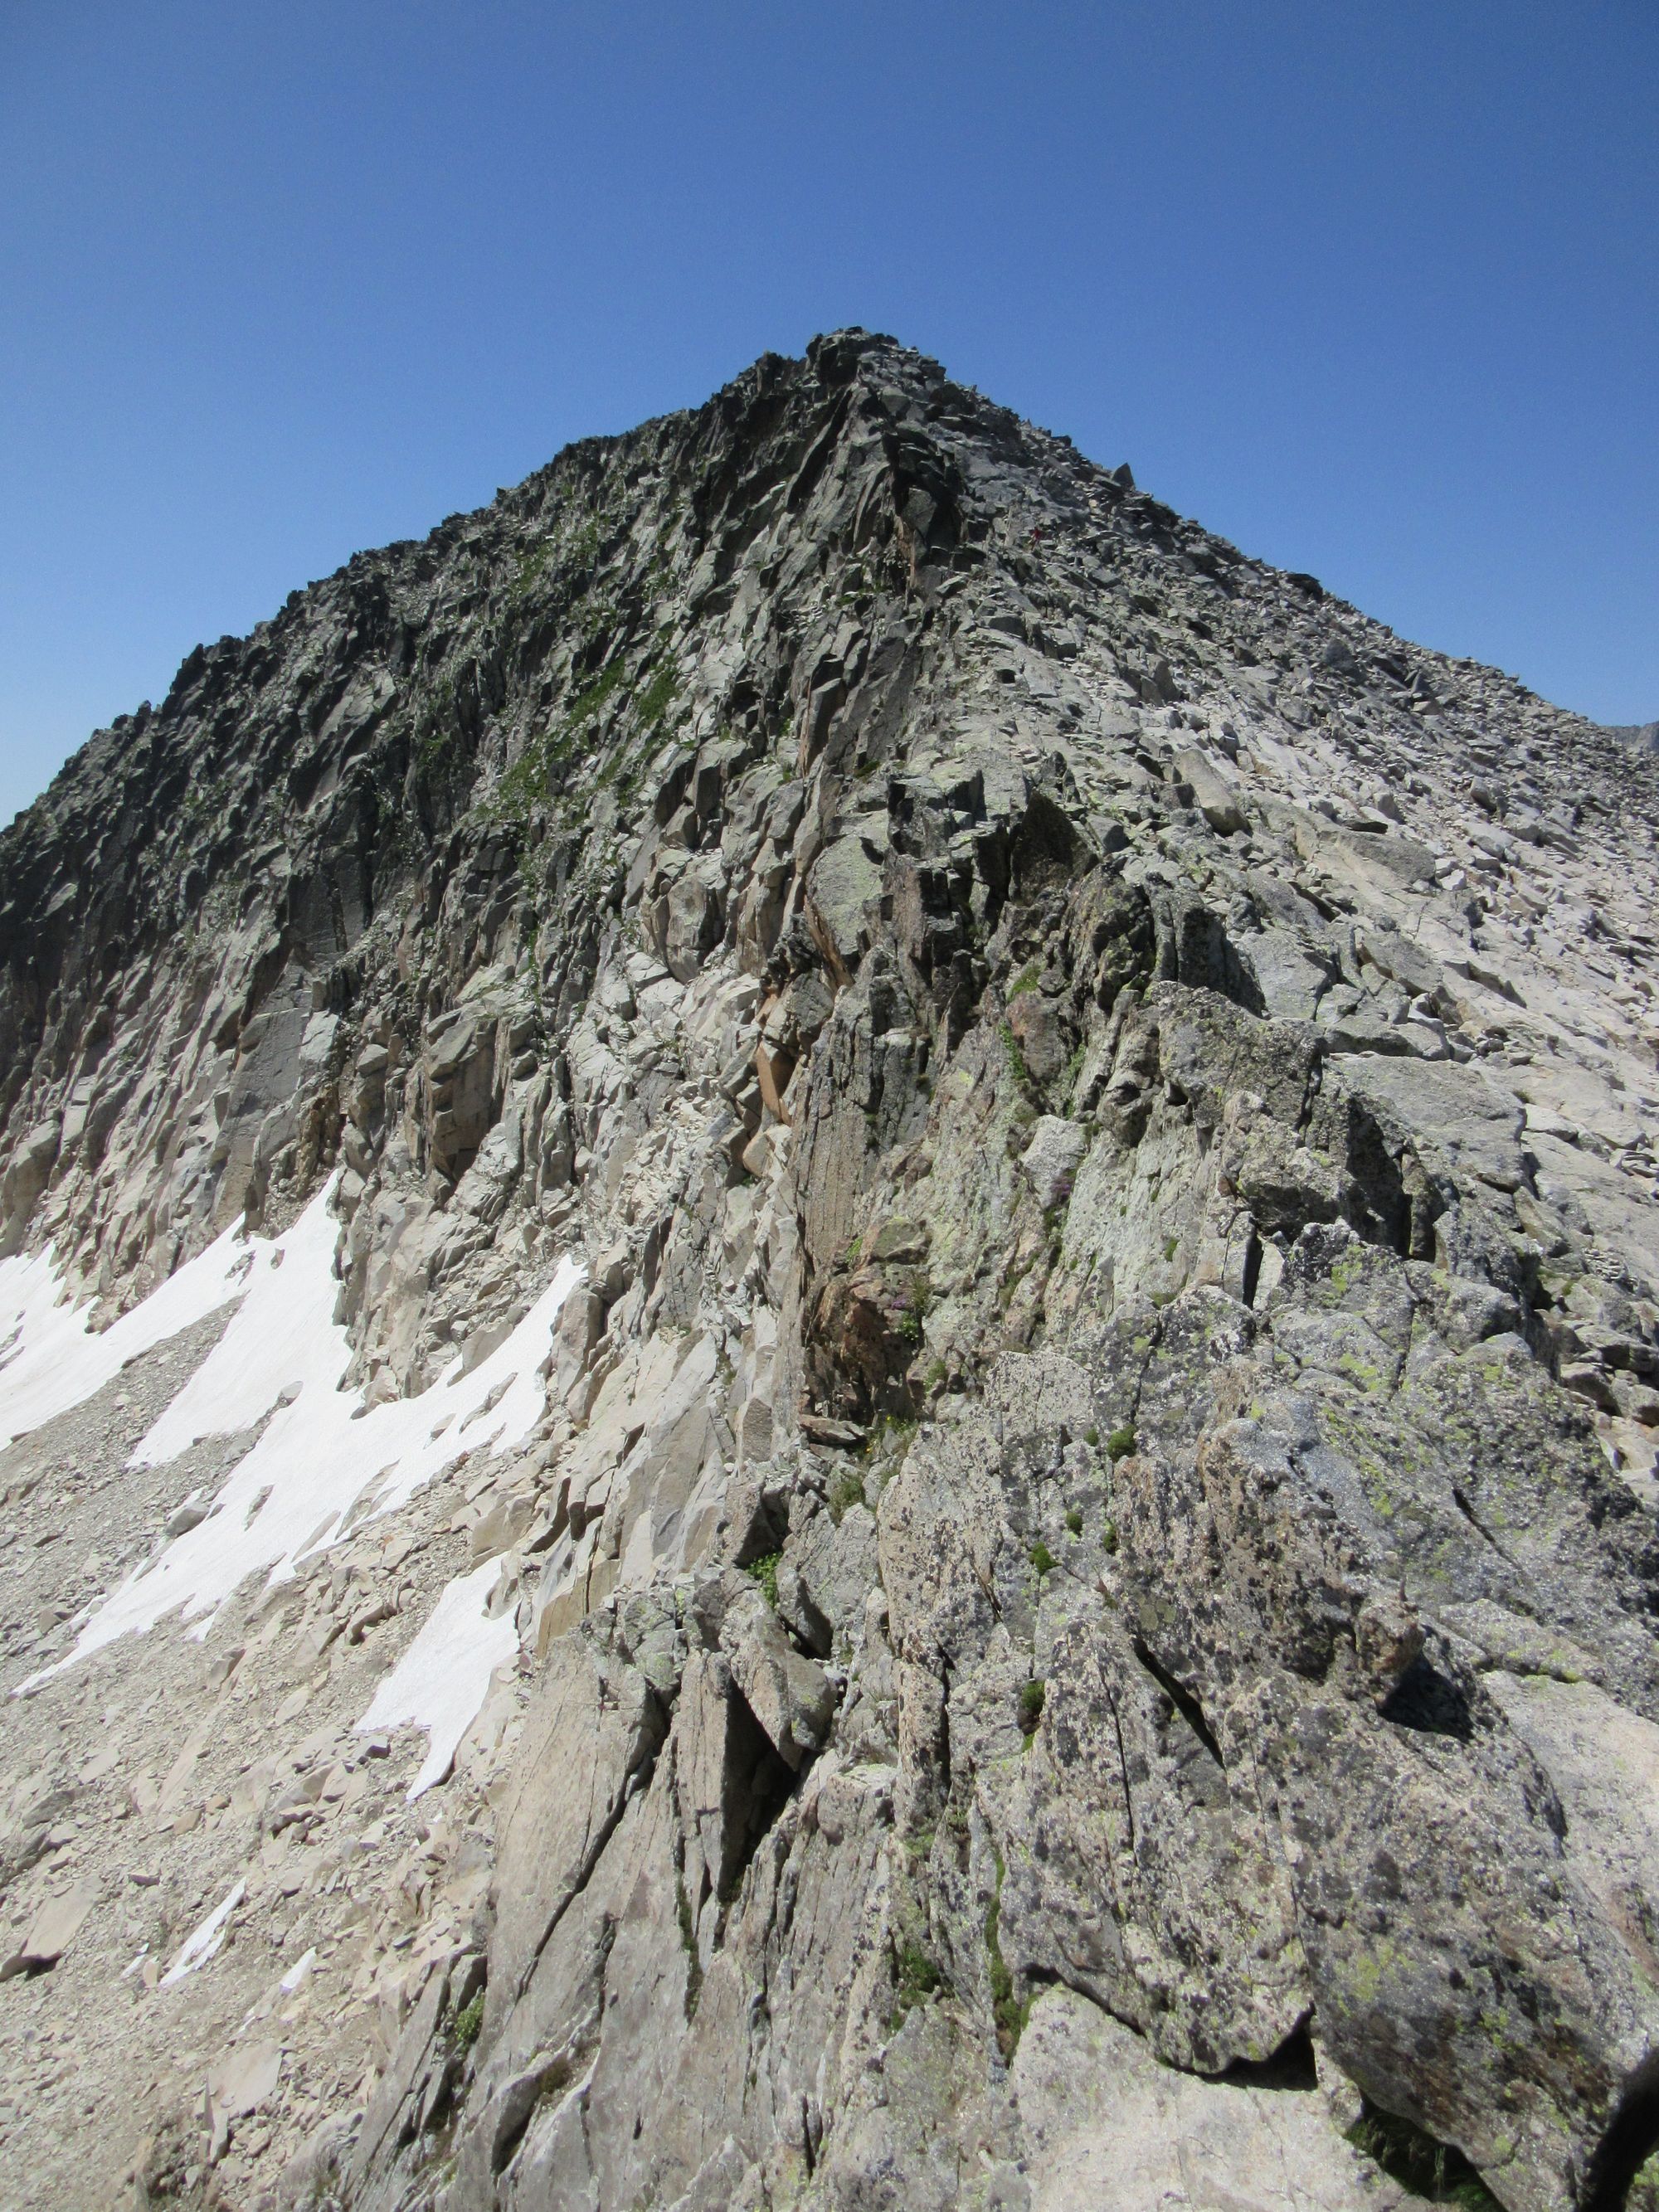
[925, 1214]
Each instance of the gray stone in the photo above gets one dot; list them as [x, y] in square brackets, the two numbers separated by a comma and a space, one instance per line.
[1053, 1157]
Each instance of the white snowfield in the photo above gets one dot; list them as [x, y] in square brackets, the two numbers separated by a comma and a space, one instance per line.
[325, 1463]
[50, 1358]
[442, 1680]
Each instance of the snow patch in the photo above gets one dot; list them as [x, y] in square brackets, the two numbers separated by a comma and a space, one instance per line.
[443, 1678]
[51, 1359]
[204, 1942]
[298, 1972]
[326, 1462]
[282, 1340]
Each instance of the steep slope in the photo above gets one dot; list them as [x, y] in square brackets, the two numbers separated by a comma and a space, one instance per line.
[1063, 1611]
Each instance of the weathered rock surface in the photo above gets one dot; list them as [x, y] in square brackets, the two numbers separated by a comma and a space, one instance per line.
[1086, 1587]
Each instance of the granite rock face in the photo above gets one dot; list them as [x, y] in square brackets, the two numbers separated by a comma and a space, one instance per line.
[1086, 1586]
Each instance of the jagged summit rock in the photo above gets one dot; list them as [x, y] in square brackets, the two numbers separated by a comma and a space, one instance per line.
[1064, 1614]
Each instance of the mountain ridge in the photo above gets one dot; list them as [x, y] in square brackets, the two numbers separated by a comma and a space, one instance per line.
[1075, 1575]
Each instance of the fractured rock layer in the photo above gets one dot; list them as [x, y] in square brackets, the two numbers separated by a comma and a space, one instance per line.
[1076, 1575]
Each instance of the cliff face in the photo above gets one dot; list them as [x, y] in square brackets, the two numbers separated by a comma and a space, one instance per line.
[1072, 1588]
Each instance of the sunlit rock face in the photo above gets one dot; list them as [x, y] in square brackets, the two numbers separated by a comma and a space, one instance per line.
[828, 1305]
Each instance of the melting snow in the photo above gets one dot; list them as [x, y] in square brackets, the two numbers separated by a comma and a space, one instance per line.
[297, 1972]
[282, 1340]
[50, 1358]
[443, 1678]
[325, 1462]
[204, 1942]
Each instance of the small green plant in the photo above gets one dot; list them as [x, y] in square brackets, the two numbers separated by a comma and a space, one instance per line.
[1015, 1057]
[1074, 1519]
[555, 2082]
[590, 700]
[1009, 2015]
[1091, 1437]
[1108, 1535]
[464, 2029]
[436, 739]
[892, 1432]
[528, 783]
[585, 545]
[1433, 2170]
[1043, 1559]
[1031, 1698]
[530, 568]
[436, 750]
[658, 696]
[1028, 982]
[846, 1491]
[1120, 1444]
[915, 1977]
[765, 1572]
[1171, 1246]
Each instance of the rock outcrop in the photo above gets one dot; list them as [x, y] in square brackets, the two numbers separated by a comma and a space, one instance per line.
[1082, 1565]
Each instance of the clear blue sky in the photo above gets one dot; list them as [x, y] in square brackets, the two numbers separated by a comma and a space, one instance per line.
[1372, 289]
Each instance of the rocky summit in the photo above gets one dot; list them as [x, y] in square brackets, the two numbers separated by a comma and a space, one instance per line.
[829, 1292]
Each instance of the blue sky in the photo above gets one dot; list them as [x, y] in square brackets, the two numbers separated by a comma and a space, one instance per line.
[1373, 290]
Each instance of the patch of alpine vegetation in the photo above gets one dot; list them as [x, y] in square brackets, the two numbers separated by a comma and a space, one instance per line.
[1075, 1575]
